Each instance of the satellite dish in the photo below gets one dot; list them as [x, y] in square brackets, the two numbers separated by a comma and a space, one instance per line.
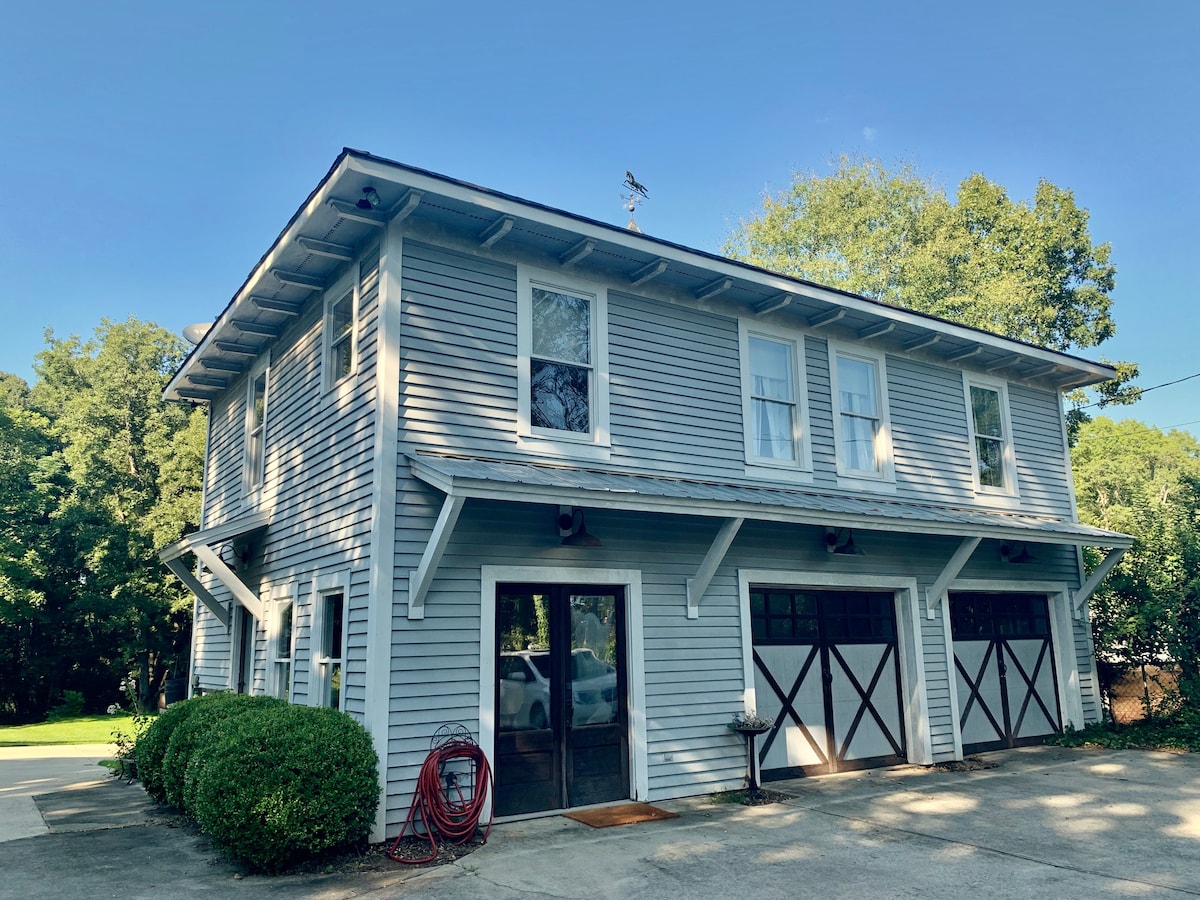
[194, 334]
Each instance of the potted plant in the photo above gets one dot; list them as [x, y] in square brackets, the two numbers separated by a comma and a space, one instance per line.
[750, 723]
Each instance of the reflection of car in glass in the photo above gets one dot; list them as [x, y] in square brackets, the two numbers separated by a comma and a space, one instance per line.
[525, 689]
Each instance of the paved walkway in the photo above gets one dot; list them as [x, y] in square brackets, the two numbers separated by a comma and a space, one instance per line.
[1044, 822]
[28, 771]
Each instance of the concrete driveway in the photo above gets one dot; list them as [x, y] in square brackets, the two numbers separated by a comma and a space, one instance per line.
[1045, 822]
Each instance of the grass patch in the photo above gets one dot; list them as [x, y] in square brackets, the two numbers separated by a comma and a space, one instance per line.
[70, 730]
[1175, 735]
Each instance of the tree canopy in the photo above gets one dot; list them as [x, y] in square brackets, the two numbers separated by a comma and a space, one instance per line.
[1134, 478]
[98, 474]
[1027, 270]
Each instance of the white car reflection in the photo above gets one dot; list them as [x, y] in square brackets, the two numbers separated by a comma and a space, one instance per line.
[525, 689]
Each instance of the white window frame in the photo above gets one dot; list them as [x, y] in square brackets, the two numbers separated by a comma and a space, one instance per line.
[1008, 454]
[800, 467]
[282, 597]
[593, 445]
[254, 471]
[860, 479]
[348, 286]
[321, 665]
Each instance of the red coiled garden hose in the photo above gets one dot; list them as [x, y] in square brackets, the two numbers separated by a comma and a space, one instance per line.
[445, 811]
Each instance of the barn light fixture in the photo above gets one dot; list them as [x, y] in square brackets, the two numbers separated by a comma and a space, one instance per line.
[835, 544]
[579, 537]
[1010, 554]
[232, 556]
[370, 198]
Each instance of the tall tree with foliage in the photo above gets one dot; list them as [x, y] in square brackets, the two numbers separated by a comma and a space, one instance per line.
[1133, 478]
[1025, 270]
[132, 464]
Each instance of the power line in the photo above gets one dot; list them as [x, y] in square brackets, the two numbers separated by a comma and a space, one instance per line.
[1144, 391]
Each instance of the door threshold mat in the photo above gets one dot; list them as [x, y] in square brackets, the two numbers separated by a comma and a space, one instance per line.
[625, 814]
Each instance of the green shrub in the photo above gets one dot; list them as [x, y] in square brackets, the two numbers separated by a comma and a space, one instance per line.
[285, 783]
[71, 706]
[190, 734]
[152, 745]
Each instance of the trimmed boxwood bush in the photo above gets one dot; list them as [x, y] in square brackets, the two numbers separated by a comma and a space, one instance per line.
[152, 745]
[282, 783]
[191, 733]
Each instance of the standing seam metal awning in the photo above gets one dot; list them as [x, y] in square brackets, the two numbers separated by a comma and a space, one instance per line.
[461, 479]
[201, 544]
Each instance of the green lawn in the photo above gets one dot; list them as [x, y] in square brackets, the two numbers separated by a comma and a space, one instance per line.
[75, 730]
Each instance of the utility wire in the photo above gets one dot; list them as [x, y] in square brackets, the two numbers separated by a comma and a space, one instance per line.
[1143, 391]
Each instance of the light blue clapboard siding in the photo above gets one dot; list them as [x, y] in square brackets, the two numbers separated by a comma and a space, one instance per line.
[1038, 441]
[317, 485]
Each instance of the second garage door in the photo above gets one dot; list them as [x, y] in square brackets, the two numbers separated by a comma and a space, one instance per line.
[827, 669]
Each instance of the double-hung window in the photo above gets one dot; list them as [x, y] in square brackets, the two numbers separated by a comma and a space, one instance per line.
[340, 314]
[774, 402]
[991, 443]
[861, 424]
[256, 425]
[562, 364]
[329, 656]
[282, 641]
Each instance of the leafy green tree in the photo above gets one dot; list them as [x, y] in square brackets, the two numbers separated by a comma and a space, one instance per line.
[1026, 270]
[133, 464]
[1133, 478]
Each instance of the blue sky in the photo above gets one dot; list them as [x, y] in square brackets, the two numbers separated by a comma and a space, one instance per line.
[150, 151]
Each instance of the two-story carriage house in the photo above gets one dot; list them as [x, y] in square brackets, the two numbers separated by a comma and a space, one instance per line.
[590, 493]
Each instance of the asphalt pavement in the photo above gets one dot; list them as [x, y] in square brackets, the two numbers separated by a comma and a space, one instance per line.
[1038, 822]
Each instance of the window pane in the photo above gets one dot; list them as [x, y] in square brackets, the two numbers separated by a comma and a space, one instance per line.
[858, 444]
[333, 625]
[990, 454]
[856, 386]
[773, 430]
[985, 407]
[771, 370]
[258, 401]
[561, 326]
[335, 685]
[340, 317]
[559, 397]
[284, 650]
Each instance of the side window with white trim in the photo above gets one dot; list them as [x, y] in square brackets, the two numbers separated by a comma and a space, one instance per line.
[861, 424]
[992, 453]
[329, 641]
[282, 644]
[562, 361]
[774, 402]
[257, 396]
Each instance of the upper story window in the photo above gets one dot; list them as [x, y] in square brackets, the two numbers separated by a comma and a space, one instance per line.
[861, 425]
[256, 424]
[774, 402]
[341, 314]
[991, 441]
[562, 364]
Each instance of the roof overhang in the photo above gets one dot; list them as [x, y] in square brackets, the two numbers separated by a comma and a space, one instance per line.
[202, 544]
[329, 228]
[528, 483]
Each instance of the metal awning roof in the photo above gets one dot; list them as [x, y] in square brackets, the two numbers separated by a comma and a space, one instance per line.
[528, 483]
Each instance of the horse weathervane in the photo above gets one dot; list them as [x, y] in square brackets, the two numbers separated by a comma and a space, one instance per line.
[636, 193]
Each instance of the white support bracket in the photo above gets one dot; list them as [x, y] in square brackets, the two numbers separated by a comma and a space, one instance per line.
[420, 578]
[936, 595]
[708, 568]
[216, 607]
[1093, 581]
[229, 578]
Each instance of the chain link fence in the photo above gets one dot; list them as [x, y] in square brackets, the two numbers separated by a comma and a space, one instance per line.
[1135, 692]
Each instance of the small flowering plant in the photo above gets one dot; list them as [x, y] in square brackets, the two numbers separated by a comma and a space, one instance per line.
[750, 721]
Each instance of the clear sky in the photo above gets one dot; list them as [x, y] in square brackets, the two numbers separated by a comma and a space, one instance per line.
[151, 151]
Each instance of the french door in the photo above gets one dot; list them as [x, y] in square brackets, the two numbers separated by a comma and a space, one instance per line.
[562, 735]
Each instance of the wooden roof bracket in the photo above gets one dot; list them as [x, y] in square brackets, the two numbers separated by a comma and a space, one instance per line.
[936, 594]
[192, 583]
[229, 578]
[1093, 581]
[708, 568]
[420, 578]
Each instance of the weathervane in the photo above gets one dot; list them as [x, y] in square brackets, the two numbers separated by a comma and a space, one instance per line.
[637, 193]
